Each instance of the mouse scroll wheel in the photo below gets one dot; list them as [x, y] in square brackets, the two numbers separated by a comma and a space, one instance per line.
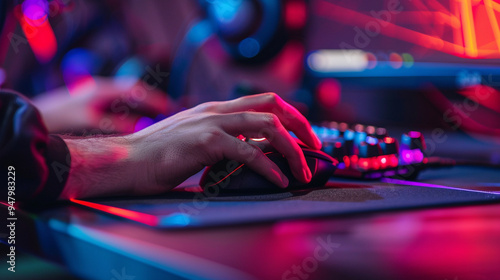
[257, 139]
[245, 139]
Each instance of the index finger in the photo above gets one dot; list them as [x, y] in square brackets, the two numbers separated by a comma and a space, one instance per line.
[289, 117]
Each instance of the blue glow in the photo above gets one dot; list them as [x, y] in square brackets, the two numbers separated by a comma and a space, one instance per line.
[328, 149]
[334, 133]
[349, 135]
[199, 32]
[249, 47]
[176, 219]
[405, 140]
[80, 61]
[420, 69]
[371, 140]
[224, 10]
[359, 137]
[131, 67]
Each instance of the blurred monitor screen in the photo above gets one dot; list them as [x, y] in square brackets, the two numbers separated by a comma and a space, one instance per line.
[413, 38]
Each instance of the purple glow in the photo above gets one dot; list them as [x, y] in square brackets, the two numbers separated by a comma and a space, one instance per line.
[407, 156]
[2, 76]
[142, 123]
[412, 156]
[420, 184]
[418, 156]
[35, 10]
[414, 134]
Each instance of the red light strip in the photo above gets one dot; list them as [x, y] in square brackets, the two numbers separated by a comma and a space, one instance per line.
[231, 173]
[468, 124]
[124, 213]
[5, 203]
[493, 19]
[392, 30]
[468, 29]
[460, 17]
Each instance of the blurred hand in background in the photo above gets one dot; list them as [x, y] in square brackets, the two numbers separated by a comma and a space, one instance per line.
[101, 105]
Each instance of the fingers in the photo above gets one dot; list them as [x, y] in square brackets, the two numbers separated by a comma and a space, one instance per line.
[290, 117]
[139, 96]
[150, 103]
[112, 123]
[257, 125]
[235, 149]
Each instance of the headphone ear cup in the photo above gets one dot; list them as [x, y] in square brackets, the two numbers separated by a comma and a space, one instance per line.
[252, 31]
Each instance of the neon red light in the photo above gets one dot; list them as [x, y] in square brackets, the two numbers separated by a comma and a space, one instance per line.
[295, 14]
[40, 37]
[389, 140]
[393, 159]
[347, 161]
[384, 162]
[225, 177]
[328, 92]
[468, 29]
[231, 173]
[485, 95]
[5, 203]
[354, 159]
[131, 215]
[364, 163]
[338, 145]
[375, 164]
[465, 28]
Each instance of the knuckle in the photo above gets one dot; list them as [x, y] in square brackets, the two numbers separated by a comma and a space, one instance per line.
[250, 152]
[207, 107]
[211, 119]
[245, 117]
[272, 98]
[271, 120]
[210, 137]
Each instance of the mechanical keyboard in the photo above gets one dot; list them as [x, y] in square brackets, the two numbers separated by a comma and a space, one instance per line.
[368, 152]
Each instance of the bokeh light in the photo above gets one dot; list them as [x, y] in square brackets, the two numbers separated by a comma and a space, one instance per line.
[395, 60]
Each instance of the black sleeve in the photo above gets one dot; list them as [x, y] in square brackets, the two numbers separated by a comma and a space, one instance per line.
[41, 161]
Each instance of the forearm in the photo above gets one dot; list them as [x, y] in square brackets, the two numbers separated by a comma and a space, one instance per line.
[101, 166]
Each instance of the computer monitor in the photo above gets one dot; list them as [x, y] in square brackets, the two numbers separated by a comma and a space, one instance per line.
[387, 56]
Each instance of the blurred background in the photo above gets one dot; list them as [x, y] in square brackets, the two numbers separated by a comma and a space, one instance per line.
[417, 64]
[111, 66]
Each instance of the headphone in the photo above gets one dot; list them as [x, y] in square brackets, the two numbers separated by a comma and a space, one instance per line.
[251, 31]
[254, 31]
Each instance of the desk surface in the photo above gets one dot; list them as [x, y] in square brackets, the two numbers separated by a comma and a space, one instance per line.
[452, 242]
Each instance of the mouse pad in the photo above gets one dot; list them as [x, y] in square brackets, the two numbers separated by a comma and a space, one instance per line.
[191, 207]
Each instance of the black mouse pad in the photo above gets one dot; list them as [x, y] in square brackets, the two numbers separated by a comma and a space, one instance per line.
[190, 207]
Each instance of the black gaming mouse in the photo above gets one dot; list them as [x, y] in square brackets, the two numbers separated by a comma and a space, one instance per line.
[233, 176]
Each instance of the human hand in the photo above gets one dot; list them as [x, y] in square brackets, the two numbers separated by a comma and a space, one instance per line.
[170, 151]
[161, 156]
[101, 105]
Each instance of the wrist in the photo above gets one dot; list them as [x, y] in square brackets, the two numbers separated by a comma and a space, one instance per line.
[100, 167]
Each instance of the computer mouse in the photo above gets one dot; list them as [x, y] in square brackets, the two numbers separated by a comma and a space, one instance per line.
[234, 176]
